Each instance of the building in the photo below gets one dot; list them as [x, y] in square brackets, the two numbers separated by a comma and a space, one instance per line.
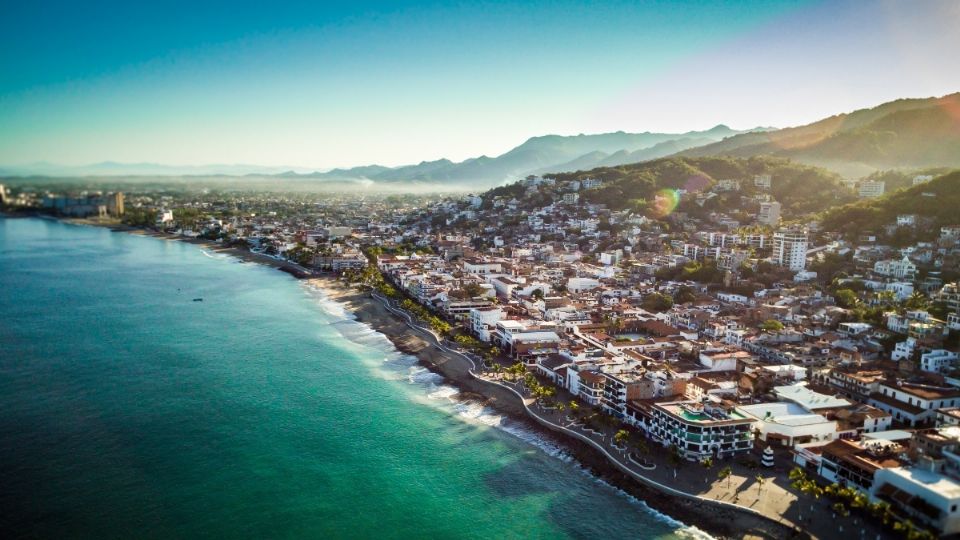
[790, 249]
[699, 430]
[871, 188]
[913, 404]
[789, 424]
[898, 269]
[115, 204]
[927, 496]
[938, 361]
[763, 181]
[769, 213]
[483, 320]
[845, 462]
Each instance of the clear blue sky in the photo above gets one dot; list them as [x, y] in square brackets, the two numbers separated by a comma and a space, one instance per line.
[323, 84]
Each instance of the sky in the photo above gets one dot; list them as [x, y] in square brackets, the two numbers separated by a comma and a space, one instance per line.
[315, 85]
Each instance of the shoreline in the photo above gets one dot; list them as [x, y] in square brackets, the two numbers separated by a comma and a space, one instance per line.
[716, 521]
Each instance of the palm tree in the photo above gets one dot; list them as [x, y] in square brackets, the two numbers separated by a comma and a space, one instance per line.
[707, 462]
[760, 482]
[725, 474]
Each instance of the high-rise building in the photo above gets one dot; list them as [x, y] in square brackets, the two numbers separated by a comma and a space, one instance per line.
[115, 204]
[769, 213]
[790, 249]
[3, 194]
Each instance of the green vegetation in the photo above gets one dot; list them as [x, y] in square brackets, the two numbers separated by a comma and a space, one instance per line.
[848, 499]
[436, 323]
[799, 188]
[139, 217]
[692, 271]
[657, 302]
[936, 200]
[684, 295]
[771, 325]
[725, 474]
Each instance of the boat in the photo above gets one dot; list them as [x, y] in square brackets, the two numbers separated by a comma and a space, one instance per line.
[198, 299]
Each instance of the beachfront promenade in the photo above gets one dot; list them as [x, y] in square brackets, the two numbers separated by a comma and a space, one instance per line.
[772, 499]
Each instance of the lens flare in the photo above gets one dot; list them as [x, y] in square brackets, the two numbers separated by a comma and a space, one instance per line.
[665, 202]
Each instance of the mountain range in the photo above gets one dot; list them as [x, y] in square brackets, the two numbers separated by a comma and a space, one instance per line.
[906, 133]
[535, 156]
[539, 155]
[901, 134]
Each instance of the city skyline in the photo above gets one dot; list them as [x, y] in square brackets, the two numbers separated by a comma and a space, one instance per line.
[321, 87]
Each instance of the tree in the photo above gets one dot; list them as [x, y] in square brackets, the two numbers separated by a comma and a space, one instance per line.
[760, 480]
[657, 302]
[771, 325]
[725, 474]
[472, 290]
[620, 437]
[684, 294]
[917, 300]
[707, 462]
[846, 298]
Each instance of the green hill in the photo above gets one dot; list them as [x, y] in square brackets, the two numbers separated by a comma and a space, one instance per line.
[937, 200]
[911, 133]
[799, 188]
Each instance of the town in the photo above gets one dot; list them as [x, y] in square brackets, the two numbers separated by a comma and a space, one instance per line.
[744, 338]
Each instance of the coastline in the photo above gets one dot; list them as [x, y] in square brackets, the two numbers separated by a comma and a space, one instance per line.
[716, 521]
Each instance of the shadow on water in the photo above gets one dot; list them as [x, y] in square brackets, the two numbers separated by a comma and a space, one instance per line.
[575, 509]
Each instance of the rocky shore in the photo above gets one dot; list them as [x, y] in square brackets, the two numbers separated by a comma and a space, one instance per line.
[718, 522]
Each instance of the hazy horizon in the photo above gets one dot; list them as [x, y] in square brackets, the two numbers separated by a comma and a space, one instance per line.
[314, 87]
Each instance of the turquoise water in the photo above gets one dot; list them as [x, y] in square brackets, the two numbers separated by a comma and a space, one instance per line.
[127, 409]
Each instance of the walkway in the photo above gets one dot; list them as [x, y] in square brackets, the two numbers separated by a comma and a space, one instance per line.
[773, 500]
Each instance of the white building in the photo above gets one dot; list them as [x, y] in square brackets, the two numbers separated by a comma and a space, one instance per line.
[788, 423]
[763, 181]
[934, 489]
[938, 361]
[474, 266]
[871, 188]
[790, 249]
[581, 284]
[483, 320]
[898, 269]
[906, 220]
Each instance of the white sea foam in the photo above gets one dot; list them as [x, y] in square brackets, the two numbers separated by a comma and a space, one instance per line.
[212, 256]
[423, 376]
[432, 391]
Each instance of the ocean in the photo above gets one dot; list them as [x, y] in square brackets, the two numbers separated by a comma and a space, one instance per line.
[265, 411]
